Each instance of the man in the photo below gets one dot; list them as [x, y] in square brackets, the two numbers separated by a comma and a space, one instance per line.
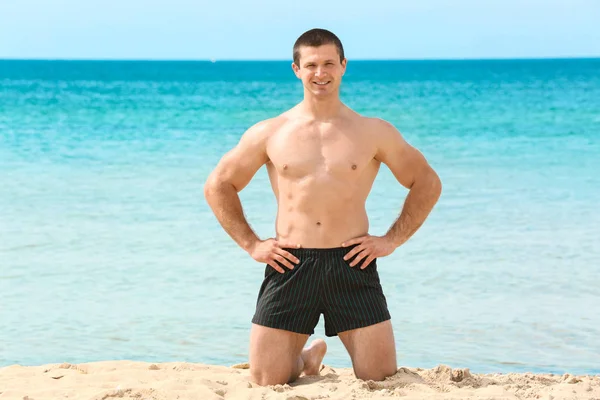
[322, 159]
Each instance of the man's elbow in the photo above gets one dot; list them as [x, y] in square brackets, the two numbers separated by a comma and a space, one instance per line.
[211, 186]
[435, 184]
[215, 185]
[428, 181]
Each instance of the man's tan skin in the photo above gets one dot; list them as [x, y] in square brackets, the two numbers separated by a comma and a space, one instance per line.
[322, 159]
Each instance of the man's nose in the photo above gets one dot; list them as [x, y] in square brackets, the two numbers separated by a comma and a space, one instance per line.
[319, 71]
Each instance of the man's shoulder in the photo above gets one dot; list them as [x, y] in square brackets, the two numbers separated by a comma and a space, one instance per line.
[265, 128]
[375, 126]
[379, 123]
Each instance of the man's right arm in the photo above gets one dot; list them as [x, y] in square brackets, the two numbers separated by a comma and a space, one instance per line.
[233, 172]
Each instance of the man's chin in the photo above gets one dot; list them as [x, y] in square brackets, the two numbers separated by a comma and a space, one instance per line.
[322, 92]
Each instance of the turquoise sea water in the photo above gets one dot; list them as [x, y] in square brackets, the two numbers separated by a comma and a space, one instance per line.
[108, 250]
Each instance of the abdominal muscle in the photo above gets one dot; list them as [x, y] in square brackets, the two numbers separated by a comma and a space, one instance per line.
[320, 214]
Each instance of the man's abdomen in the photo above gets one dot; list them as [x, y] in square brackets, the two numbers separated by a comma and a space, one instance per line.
[321, 228]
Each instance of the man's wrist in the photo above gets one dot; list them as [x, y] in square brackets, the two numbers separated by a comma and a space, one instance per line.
[249, 244]
[395, 241]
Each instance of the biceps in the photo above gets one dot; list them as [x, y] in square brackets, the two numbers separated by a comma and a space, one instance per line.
[406, 164]
[238, 166]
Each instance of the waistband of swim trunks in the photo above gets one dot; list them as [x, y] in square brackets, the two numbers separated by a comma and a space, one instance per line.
[319, 250]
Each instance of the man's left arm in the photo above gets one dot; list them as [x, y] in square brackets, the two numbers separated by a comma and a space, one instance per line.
[413, 171]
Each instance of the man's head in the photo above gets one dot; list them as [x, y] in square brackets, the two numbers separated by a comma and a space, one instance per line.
[315, 38]
[319, 61]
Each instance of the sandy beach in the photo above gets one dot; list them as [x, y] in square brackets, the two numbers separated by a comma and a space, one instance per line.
[140, 380]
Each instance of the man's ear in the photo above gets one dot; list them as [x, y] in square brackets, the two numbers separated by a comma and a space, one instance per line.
[296, 70]
[344, 64]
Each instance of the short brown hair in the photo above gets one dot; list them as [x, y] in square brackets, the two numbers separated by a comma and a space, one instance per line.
[315, 38]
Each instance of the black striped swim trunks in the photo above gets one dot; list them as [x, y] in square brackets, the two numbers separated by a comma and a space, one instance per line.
[322, 283]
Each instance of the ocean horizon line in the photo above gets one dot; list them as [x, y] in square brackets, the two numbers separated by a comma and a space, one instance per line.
[215, 60]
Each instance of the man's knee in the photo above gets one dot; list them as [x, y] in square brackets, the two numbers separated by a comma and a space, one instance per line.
[265, 377]
[375, 375]
[273, 353]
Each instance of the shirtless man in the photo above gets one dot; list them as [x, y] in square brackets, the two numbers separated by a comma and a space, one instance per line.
[322, 159]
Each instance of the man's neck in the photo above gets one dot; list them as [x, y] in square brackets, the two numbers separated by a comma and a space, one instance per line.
[321, 109]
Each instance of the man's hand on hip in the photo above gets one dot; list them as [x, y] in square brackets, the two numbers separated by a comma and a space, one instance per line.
[269, 251]
[370, 247]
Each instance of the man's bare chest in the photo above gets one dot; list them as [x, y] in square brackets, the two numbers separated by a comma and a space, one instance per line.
[302, 153]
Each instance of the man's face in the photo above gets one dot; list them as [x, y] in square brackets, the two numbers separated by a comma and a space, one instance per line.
[320, 69]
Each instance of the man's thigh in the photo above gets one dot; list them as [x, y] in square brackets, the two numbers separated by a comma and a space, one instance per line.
[372, 350]
[274, 354]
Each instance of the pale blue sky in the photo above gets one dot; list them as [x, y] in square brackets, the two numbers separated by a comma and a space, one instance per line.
[237, 29]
